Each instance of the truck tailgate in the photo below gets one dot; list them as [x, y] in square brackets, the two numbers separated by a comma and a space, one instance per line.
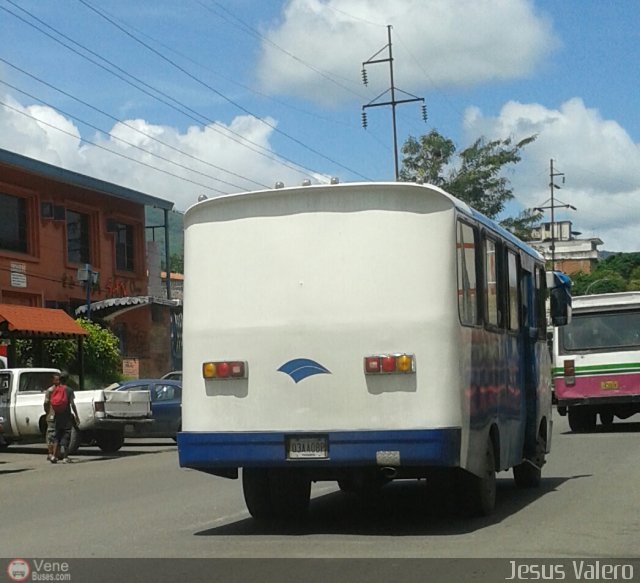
[127, 404]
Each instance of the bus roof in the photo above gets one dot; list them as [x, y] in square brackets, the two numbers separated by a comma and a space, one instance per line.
[460, 205]
[605, 302]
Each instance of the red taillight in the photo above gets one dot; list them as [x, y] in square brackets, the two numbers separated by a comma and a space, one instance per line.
[569, 372]
[372, 364]
[99, 406]
[225, 369]
[389, 364]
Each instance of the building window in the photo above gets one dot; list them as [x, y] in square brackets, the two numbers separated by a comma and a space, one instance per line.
[78, 237]
[124, 248]
[13, 226]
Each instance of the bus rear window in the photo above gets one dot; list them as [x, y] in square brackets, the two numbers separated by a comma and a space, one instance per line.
[601, 332]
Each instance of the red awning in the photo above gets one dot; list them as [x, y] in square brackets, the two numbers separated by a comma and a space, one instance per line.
[27, 322]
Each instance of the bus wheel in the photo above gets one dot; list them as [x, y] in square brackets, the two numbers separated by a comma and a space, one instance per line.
[257, 492]
[606, 417]
[582, 419]
[290, 493]
[528, 474]
[480, 491]
[278, 493]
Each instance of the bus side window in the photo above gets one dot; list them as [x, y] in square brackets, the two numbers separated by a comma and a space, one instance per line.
[466, 250]
[540, 303]
[493, 296]
[513, 299]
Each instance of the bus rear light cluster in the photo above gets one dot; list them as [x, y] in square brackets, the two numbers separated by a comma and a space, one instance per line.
[569, 372]
[390, 364]
[224, 369]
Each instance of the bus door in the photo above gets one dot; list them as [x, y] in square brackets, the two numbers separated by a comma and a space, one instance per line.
[530, 335]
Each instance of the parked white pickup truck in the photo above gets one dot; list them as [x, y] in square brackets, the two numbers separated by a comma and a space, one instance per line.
[103, 413]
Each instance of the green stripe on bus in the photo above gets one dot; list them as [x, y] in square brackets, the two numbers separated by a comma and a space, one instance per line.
[601, 369]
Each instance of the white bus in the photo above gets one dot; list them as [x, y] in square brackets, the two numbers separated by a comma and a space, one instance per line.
[361, 333]
[597, 360]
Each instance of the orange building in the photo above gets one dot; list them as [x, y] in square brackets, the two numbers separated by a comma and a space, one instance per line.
[70, 241]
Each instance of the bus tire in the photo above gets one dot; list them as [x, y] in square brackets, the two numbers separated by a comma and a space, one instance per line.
[527, 474]
[276, 494]
[582, 419]
[290, 493]
[110, 441]
[257, 492]
[480, 491]
[606, 417]
[347, 485]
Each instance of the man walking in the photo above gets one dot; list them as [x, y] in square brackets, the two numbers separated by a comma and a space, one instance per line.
[60, 406]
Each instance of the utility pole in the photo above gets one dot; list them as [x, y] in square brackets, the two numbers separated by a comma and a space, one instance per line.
[552, 206]
[393, 102]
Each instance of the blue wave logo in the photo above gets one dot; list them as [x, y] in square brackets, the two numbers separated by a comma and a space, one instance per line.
[301, 368]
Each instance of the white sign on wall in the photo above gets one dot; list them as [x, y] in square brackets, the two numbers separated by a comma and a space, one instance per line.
[18, 275]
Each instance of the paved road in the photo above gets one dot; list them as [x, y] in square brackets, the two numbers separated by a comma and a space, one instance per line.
[141, 504]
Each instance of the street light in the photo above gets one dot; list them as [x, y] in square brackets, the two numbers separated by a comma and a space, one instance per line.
[89, 277]
[586, 291]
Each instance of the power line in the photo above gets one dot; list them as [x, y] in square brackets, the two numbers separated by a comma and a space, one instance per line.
[252, 31]
[217, 92]
[229, 79]
[88, 124]
[227, 132]
[108, 150]
[151, 137]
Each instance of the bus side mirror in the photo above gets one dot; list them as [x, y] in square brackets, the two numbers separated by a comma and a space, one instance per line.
[559, 286]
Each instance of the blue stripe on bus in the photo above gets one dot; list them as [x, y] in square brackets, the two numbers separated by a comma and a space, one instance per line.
[428, 447]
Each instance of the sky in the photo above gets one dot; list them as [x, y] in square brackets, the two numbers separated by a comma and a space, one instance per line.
[225, 96]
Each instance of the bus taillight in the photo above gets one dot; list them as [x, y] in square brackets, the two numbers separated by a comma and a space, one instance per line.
[225, 369]
[569, 372]
[389, 364]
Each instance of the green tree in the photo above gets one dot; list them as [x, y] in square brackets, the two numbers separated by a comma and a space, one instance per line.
[102, 360]
[101, 352]
[634, 280]
[521, 225]
[176, 263]
[617, 273]
[476, 178]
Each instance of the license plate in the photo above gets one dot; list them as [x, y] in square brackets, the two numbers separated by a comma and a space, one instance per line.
[609, 385]
[307, 447]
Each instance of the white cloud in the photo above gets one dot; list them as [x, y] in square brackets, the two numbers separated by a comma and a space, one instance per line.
[600, 161]
[441, 42]
[223, 158]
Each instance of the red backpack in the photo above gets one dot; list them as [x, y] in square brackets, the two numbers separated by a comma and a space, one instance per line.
[59, 399]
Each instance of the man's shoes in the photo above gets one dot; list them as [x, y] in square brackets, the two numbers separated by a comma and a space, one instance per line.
[67, 461]
[53, 459]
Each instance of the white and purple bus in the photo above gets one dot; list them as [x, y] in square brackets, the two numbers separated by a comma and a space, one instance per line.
[597, 360]
[360, 333]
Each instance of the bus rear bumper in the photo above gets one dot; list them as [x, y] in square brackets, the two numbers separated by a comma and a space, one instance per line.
[344, 449]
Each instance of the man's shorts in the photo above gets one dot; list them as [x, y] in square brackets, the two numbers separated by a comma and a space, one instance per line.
[51, 431]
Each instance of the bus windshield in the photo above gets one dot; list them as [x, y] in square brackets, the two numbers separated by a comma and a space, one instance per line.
[601, 331]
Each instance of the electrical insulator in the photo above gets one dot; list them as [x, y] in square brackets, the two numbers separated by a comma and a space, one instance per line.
[364, 120]
[424, 113]
[364, 76]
